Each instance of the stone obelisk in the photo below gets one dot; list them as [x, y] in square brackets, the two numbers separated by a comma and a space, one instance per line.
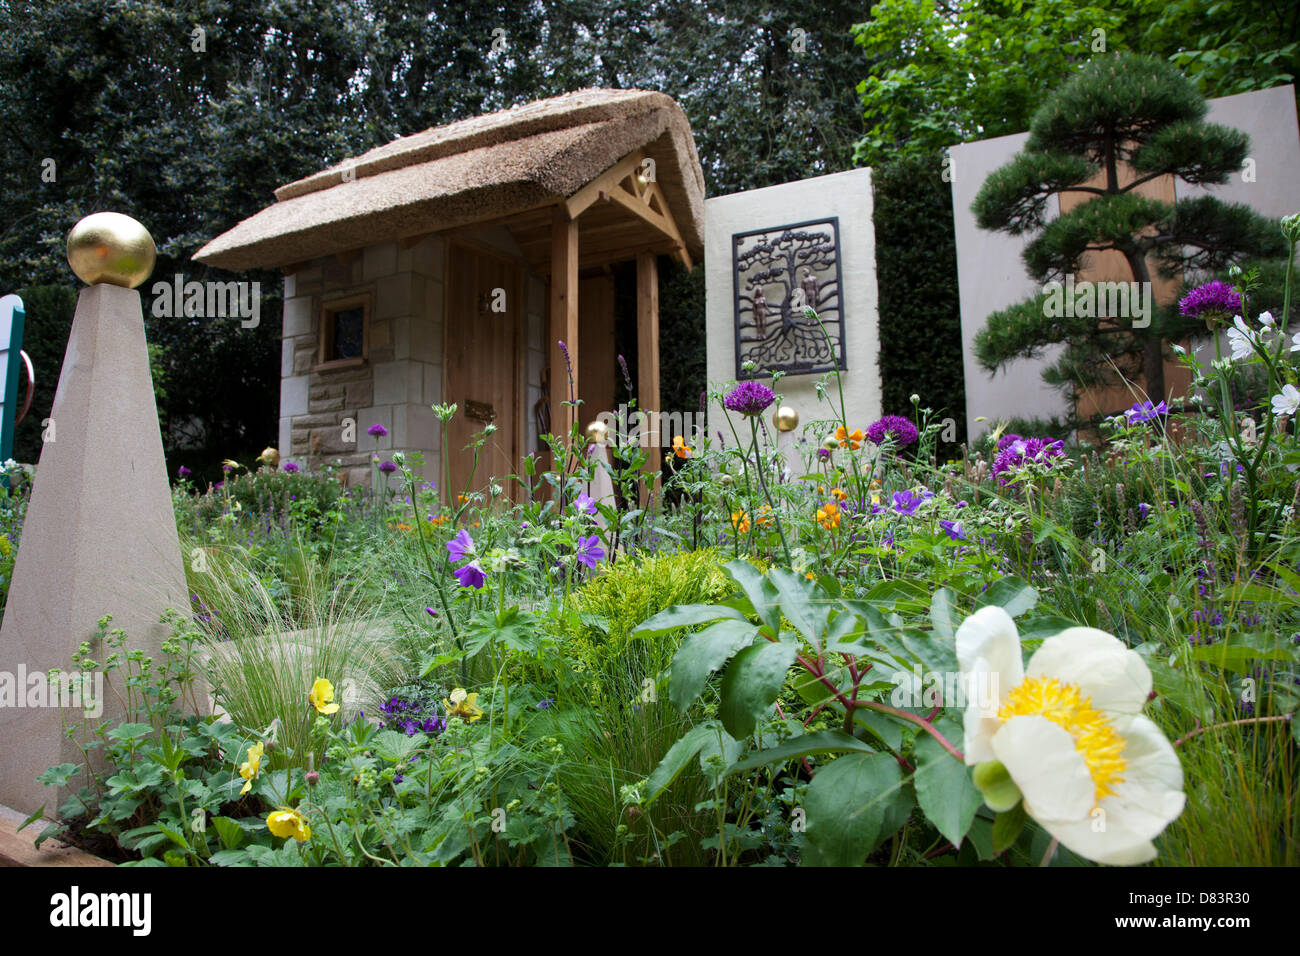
[99, 536]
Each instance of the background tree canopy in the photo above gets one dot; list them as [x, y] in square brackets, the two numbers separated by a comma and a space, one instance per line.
[111, 105]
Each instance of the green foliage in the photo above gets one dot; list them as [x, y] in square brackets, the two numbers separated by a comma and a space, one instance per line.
[945, 73]
[622, 596]
[920, 315]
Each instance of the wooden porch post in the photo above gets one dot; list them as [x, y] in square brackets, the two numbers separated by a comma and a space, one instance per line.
[564, 319]
[647, 350]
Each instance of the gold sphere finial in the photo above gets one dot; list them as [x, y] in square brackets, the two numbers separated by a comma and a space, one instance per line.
[270, 456]
[111, 248]
[785, 418]
[598, 432]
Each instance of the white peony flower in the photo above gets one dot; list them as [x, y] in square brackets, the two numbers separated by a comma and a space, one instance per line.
[1067, 735]
[1287, 402]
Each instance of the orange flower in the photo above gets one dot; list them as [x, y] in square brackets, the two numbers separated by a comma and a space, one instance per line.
[438, 519]
[839, 494]
[853, 440]
[463, 499]
[679, 447]
[828, 516]
[764, 516]
[740, 521]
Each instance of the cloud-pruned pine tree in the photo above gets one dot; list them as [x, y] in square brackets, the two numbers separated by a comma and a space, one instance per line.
[1119, 109]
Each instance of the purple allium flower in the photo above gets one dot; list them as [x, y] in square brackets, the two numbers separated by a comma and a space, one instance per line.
[904, 431]
[824, 454]
[461, 546]
[1007, 440]
[589, 551]
[1214, 300]
[470, 575]
[584, 503]
[183, 472]
[290, 468]
[749, 398]
[387, 467]
[953, 530]
[377, 430]
[1146, 412]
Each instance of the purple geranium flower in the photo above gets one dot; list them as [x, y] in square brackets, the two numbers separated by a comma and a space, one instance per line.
[461, 546]
[387, 467]
[1214, 300]
[290, 468]
[904, 431]
[1023, 451]
[377, 430]
[585, 503]
[546, 702]
[906, 502]
[953, 530]
[183, 472]
[470, 575]
[589, 551]
[1146, 412]
[749, 398]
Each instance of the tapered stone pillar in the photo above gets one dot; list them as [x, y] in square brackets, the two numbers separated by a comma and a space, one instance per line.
[100, 536]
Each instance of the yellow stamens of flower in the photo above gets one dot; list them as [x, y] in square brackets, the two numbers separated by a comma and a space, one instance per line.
[1095, 739]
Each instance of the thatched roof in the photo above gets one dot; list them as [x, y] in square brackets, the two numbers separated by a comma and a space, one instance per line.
[470, 171]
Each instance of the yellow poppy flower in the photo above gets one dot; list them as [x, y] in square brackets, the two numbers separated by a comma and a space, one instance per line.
[852, 439]
[322, 697]
[740, 521]
[250, 767]
[679, 447]
[828, 516]
[463, 705]
[287, 822]
[839, 494]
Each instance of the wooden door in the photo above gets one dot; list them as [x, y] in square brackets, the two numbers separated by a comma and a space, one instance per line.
[484, 323]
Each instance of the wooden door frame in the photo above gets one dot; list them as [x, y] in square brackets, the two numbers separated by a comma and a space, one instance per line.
[519, 383]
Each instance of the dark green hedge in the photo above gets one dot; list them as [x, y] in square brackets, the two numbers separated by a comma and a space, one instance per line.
[916, 275]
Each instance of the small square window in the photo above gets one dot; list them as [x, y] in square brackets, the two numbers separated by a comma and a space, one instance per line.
[344, 332]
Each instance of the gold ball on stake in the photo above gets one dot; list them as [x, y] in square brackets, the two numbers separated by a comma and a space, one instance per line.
[108, 247]
[786, 419]
[598, 432]
[270, 456]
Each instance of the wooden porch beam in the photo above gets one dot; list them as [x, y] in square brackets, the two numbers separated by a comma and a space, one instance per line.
[563, 319]
[606, 182]
[647, 349]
